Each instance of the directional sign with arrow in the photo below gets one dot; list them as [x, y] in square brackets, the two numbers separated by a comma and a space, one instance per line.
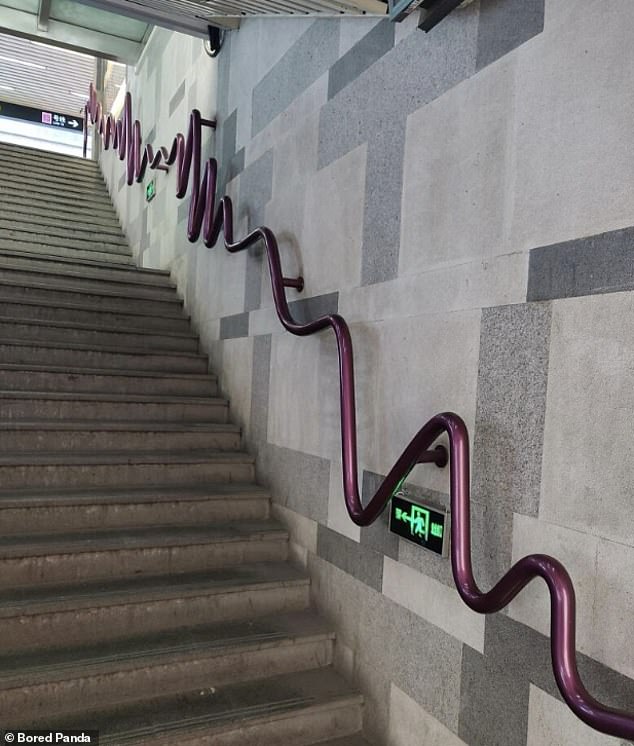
[41, 116]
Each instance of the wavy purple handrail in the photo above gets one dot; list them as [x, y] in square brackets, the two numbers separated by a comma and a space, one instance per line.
[125, 135]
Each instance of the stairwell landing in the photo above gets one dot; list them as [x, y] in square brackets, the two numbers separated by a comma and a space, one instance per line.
[145, 591]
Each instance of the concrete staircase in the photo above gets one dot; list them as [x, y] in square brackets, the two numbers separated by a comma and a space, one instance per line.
[144, 589]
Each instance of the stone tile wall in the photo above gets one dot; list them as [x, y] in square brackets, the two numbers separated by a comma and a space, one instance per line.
[465, 200]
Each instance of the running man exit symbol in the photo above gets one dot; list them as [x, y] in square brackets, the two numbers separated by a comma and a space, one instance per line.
[422, 525]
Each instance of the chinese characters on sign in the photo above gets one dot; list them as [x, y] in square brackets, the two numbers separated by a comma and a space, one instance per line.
[423, 525]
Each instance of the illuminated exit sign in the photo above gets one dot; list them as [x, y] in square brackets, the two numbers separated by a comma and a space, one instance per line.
[428, 527]
[150, 190]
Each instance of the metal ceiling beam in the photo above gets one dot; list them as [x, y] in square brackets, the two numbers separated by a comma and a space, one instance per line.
[97, 43]
[43, 15]
[165, 19]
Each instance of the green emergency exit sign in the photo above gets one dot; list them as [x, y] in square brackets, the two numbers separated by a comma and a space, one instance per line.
[150, 190]
[421, 524]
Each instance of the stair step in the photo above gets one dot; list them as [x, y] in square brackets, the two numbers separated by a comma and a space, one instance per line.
[70, 331]
[23, 511]
[13, 258]
[111, 254]
[90, 280]
[348, 741]
[85, 556]
[34, 310]
[89, 356]
[19, 213]
[119, 299]
[48, 617]
[63, 186]
[74, 218]
[60, 682]
[102, 435]
[81, 243]
[60, 181]
[42, 194]
[17, 405]
[112, 469]
[297, 709]
[23, 377]
[26, 224]
[56, 162]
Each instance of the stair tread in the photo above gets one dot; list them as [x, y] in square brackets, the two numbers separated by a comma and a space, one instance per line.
[79, 370]
[109, 293]
[224, 707]
[45, 323]
[96, 540]
[140, 590]
[62, 345]
[96, 263]
[108, 397]
[29, 497]
[107, 458]
[94, 276]
[65, 425]
[45, 666]
[91, 308]
[348, 741]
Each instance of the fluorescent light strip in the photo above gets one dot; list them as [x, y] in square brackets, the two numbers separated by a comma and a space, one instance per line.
[24, 63]
[7, 88]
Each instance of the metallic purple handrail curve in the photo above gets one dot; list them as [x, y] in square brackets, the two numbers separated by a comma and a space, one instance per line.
[205, 220]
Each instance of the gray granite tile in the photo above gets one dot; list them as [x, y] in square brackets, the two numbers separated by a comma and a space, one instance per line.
[384, 96]
[382, 208]
[511, 404]
[177, 98]
[234, 326]
[495, 686]
[227, 133]
[362, 563]
[236, 165]
[253, 280]
[509, 429]
[603, 263]
[260, 379]
[359, 58]
[299, 481]
[373, 109]
[309, 309]
[122, 181]
[311, 56]
[504, 25]
[493, 701]
[377, 536]
[390, 642]
[151, 135]
[256, 187]
[183, 211]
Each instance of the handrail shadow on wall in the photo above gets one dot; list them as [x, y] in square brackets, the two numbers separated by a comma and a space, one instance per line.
[207, 221]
